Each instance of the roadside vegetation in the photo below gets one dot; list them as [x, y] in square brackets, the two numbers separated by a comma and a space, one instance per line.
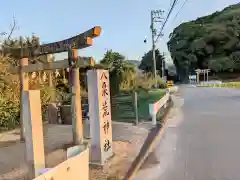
[124, 79]
[211, 41]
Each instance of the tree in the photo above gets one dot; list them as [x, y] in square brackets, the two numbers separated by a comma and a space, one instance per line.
[9, 83]
[122, 73]
[147, 62]
[208, 42]
[13, 28]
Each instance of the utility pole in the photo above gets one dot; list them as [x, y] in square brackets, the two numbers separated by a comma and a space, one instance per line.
[163, 67]
[156, 17]
[153, 47]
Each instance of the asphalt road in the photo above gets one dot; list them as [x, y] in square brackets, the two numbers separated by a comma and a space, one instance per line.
[203, 141]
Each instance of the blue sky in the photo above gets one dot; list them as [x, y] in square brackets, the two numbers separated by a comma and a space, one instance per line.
[125, 23]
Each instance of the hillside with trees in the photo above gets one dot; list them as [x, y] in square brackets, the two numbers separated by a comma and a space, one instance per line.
[211, 41]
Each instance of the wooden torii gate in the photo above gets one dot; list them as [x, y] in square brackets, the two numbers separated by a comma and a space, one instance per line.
[202, 71]
[70, 45]
[32, 131]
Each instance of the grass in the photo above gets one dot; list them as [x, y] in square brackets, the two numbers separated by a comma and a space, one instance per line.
[123, 108]
[145, 100]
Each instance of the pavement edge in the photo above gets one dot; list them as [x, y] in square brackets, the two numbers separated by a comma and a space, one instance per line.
[153, 137]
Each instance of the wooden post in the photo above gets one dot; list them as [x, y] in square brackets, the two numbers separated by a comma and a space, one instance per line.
[207, 74]
[34, 152]
[64, 75]
[135, 98]
[24, 86]
[197, 77]
[204, 72]
[76, 108]
[50, 78]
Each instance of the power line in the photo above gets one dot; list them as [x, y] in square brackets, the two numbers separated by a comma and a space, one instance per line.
[166, 20]
[170, 5]
[168, 15]
[156, 17]
[185, 2]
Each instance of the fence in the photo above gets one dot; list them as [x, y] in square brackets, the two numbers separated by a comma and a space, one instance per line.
[125, 106]
[135, 107]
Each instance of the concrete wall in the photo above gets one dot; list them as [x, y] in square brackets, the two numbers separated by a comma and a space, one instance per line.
[74, 168]
[154, 108]
[210, 82]
[173, 89]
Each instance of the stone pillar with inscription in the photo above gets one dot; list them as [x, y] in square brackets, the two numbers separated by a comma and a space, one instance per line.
[100, 116]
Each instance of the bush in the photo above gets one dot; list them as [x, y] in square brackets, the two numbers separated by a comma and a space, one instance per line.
[9, 113]
[9, 96]
[147, 82]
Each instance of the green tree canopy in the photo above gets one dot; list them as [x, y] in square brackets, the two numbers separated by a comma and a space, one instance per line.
[147, 61]
[211, 41]
[122, 73]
